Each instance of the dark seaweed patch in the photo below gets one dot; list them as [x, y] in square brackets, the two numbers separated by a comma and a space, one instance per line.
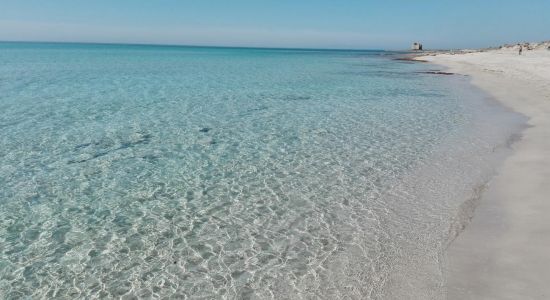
[150, 158]
[410, 59]
[436, 73]
[144, 139]
[78, 147]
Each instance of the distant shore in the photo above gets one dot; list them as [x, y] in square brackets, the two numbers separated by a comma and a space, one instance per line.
[503, 253]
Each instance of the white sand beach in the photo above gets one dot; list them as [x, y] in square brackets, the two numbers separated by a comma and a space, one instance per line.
[504, 253]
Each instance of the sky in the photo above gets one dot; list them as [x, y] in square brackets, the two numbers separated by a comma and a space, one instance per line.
[348, 24]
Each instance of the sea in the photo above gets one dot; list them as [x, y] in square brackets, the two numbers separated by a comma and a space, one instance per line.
[171, 172]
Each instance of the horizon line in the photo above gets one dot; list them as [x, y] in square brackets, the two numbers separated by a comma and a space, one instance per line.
[196, 46]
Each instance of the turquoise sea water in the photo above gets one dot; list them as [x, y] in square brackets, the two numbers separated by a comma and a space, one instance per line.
[208, 173]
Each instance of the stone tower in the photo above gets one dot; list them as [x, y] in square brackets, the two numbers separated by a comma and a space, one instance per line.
[416, 46]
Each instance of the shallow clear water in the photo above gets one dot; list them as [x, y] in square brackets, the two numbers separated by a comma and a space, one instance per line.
[232, 173]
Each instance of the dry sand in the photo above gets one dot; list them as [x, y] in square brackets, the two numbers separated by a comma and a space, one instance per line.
[504, 253]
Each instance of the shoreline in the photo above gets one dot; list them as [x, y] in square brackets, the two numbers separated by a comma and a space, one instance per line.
[450, 189]
[502, 253]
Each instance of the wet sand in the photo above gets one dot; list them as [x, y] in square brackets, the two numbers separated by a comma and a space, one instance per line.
[504, 253]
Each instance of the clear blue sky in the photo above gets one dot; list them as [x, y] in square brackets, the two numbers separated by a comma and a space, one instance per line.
[366, 24]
